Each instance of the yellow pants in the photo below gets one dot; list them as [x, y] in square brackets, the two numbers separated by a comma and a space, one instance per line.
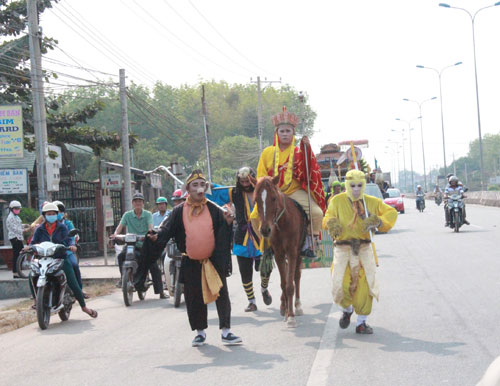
[361, 300]
[317, 214]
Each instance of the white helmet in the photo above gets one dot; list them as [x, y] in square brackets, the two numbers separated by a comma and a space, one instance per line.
[14, 204]
[50, 207]
[419, 186]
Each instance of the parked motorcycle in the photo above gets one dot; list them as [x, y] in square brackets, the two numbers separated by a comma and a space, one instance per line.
[420, 202]
[49, 281]
[456, 208]
[129, 267]
[173, 269]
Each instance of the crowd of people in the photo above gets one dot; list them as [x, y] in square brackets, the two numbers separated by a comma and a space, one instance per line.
[209, 223]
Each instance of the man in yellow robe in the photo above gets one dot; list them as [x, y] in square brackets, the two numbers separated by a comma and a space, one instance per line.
[354, 283]
[289, 162]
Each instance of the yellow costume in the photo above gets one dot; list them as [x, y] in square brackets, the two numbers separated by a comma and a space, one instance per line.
[353, 276]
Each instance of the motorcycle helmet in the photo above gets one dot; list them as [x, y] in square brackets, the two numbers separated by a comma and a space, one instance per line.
[15, 204]
[50, 207]
[449, 175]
[178, 195]
[159, 200]
[138, 196]
[453, 179]
[419, 186]
[60, 205]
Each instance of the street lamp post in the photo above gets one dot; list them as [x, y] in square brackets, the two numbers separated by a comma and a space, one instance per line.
[411, 151]
[422, 132]
[473, 19]
[404, 158]
[440, 73]
[395, 151]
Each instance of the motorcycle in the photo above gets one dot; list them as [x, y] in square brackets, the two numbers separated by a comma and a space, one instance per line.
[174, 269]
[455, 207]
[49, 281]
[420, 202]
[129, 267]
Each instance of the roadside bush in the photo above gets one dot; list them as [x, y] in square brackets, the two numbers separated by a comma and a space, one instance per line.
[494, 188]
[28, 215]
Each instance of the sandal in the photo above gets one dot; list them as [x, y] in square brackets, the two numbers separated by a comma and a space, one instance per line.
[93, 313]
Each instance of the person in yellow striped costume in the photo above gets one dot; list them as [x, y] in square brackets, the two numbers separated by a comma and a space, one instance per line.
[354, 283]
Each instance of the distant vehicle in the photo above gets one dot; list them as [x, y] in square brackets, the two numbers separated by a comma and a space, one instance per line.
[395, 200]
[373, 190]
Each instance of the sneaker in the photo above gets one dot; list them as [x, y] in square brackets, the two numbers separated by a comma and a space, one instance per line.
[266, 296]
[345, 320]
[446, 224]
[364, 328]
[164, 295]
[199, 340]
[231, 339]
[251, 307]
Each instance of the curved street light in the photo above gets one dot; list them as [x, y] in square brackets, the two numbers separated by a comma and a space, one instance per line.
[404, 158]
[473, 19]
[419, 104]
[440, 73]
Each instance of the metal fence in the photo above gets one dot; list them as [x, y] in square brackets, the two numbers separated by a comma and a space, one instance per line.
[80, 202]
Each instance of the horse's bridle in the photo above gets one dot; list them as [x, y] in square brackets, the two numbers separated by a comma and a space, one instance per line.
[278, 216]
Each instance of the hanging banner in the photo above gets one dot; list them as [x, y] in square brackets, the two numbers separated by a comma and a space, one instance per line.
[13, 181]
[11, 131]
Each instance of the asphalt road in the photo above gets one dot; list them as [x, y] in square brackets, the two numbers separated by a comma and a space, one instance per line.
[436, 323]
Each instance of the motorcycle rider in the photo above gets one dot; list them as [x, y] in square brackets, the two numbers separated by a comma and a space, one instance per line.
[162, 213]
[61, 217]
[57, 232]
[420, 194]
[453, 188]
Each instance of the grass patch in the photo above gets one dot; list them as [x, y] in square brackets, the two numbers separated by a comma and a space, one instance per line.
[20, 314]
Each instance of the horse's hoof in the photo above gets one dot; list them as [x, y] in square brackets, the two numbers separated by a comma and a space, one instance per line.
[291, 322]
[299, 311]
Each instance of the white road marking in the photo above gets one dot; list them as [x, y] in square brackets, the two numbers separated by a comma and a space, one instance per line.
[320, 369]
[264, 196]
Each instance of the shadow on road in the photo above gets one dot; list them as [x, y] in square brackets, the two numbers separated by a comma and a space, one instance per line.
[393, 342]
[236, 356]
[70, 327]
[399, 230]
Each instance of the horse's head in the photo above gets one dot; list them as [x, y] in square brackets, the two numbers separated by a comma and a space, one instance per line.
[268, 200]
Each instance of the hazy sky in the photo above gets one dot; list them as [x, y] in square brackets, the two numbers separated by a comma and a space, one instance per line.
[356, 60]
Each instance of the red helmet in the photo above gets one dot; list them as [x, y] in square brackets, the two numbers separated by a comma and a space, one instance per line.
[178, 195]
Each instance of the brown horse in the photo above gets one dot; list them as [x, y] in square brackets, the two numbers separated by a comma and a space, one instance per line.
[285, 224]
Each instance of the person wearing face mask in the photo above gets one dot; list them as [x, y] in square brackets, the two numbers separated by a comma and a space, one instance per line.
[202, 232]
[62, 218]
[56, 232]
[288, 161]
[354, 283]
[15, 233]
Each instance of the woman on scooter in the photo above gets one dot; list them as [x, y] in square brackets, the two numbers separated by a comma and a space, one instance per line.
[56, 232]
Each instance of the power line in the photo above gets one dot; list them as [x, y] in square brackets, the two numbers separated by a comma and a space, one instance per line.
[87, 40]
[183, 42]
[108, 43]
[204, 38]
[227, 41]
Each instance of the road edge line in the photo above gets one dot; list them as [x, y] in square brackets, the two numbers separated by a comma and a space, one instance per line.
[320, 369]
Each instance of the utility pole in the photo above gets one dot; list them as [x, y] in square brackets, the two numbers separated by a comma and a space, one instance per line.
[465, 172]
[205, 128]
[127, 180]
[39, 116]
[260, 125]
[454, 165]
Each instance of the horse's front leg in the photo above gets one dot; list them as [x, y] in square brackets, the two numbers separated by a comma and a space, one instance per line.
[298, 272]
[290, 274]
[280, 262]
